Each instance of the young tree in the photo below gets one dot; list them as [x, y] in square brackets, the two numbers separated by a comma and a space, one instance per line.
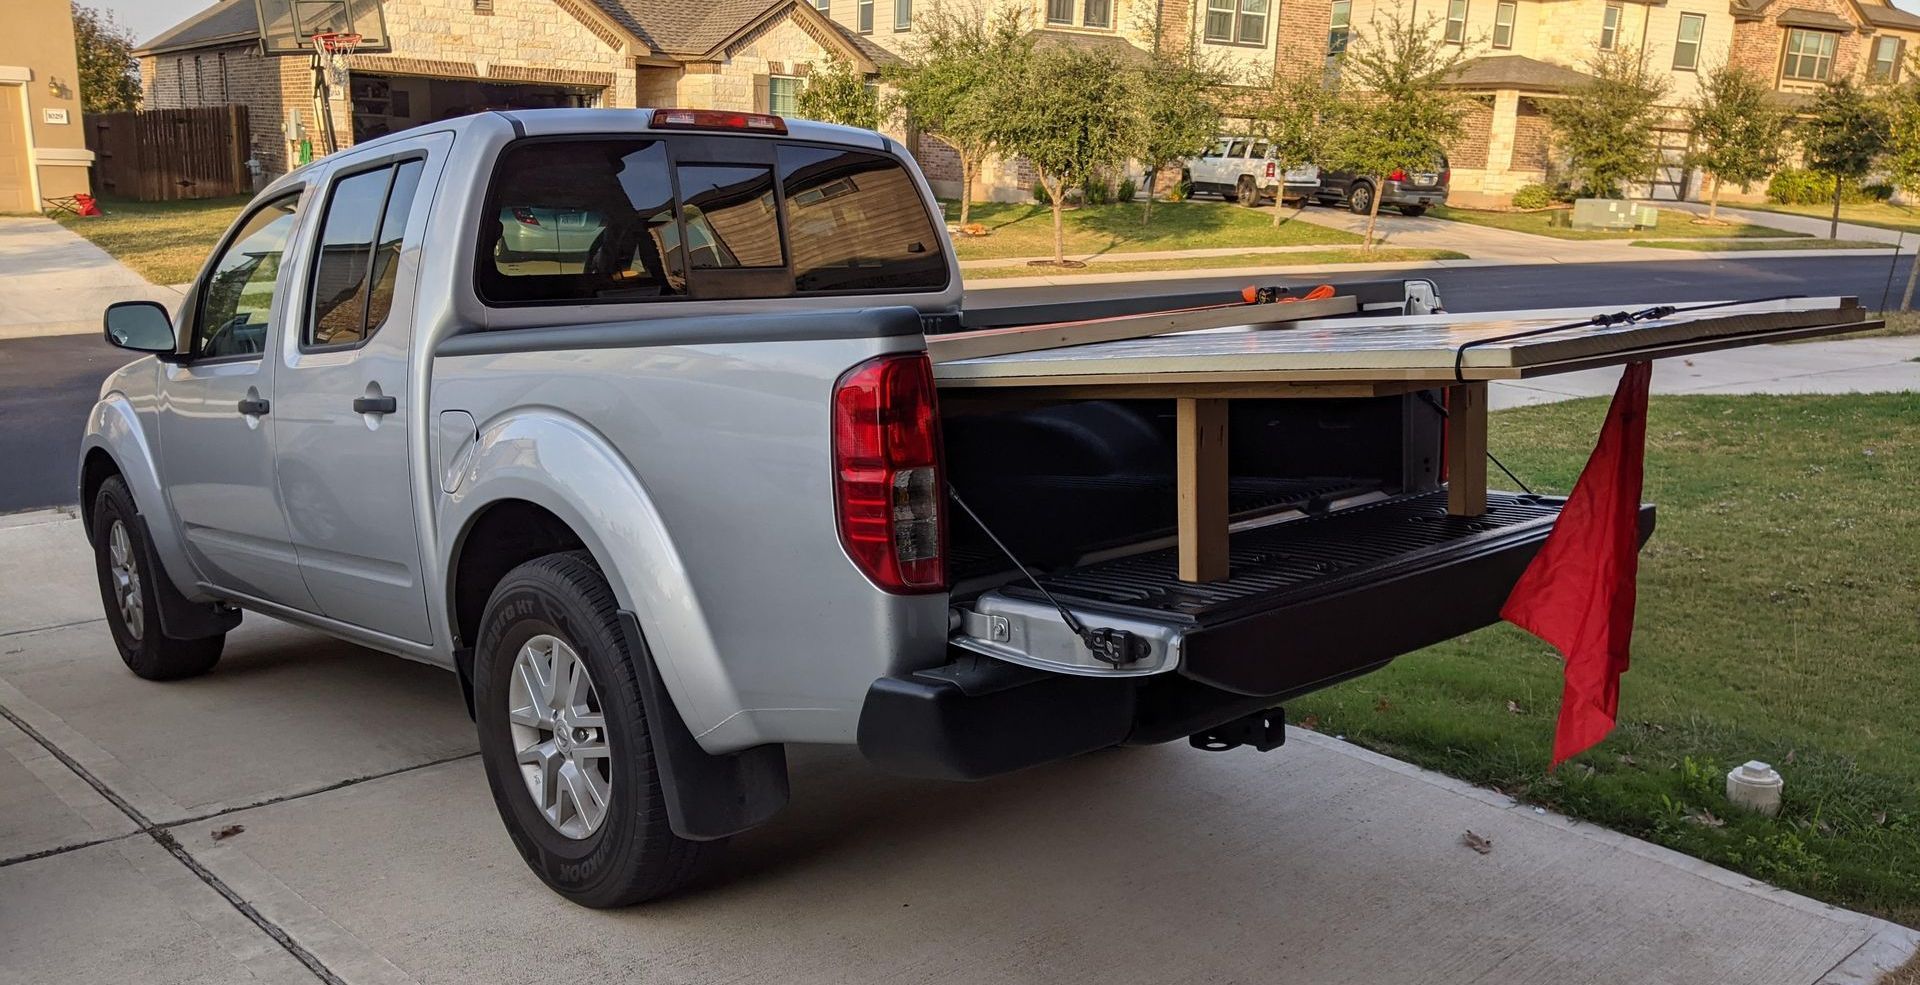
[1179, 112]
[1606, 126]
[1901, 160]
[1070, 114]
[1738, 135]
[1846, 133]
[1295, 115]
[1397, 110]
[836, 94]
[950, 82]
[109, 74]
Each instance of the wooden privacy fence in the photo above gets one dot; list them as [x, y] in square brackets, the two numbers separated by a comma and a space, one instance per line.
[159, 155]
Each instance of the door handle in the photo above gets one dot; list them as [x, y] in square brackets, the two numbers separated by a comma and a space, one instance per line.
[254, 406]
[375, 405]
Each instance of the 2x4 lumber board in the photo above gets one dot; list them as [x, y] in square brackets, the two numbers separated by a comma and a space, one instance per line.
[1029, 338]
[1152, 389]
[1200, 469]
[1467, 449]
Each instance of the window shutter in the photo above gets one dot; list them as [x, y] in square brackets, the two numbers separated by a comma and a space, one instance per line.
[761, 101]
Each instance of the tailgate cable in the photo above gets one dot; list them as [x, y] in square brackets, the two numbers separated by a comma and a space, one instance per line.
[1116, 647]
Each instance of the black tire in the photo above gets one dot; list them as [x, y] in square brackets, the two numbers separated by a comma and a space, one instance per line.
[1413, 211]
[1360, 198]
[1248, 195]
[633, 855]
[1228, 195]
[129, 596]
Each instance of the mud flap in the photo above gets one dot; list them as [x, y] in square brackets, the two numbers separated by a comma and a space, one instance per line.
[180, 618]
[708, 797]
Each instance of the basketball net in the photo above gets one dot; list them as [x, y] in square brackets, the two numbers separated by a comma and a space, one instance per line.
[332, 52]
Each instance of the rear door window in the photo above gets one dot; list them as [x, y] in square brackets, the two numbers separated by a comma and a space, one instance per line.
[856, 222]
[354, 275]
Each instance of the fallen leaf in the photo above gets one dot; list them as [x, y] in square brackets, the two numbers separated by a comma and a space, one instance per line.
[1311, 723]
[1626, 760]
[1789, 760]
[222, 834]
[1513, 708]
[1482, 845]
[1383, 705]
[1689, 362]
[1705, 819]
[1880, 818]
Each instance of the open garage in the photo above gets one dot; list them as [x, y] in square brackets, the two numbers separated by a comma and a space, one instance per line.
[385, 103]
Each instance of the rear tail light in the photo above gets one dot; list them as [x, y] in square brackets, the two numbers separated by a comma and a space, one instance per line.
[1446, 176]
[526, 217]
[1270, 171]
[713, 119]
[887, 478]
[1397, 175]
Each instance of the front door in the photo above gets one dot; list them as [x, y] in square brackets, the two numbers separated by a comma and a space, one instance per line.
[216, 422]
[342, 402]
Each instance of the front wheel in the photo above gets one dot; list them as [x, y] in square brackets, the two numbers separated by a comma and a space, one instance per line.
[1360, 199]
[565, 739]
[129, 593]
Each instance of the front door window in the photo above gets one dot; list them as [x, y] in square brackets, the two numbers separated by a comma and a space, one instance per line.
[238, 298]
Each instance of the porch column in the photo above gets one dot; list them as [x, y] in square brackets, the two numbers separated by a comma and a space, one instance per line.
[1500, 137]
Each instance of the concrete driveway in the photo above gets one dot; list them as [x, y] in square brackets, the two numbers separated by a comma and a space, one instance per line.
[312, 811]
[57, 283]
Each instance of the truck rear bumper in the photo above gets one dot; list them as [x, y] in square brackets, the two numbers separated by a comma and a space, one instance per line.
[1302, 612]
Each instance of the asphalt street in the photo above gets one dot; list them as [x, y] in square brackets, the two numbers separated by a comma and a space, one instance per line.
[47, 384]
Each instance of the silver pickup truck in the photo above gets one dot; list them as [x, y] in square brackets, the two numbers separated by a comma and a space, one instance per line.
[627, 418]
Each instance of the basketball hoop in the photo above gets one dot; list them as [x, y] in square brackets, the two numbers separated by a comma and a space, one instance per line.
[331, 50]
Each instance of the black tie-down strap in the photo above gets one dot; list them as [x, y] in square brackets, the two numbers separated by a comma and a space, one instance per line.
[1605, 320]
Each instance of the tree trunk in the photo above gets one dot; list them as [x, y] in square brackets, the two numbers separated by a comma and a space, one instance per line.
[1279, 195]
[1373, 215]
[1833, 228]
[966, 187]
[1913, 275]
[1056, 190]
[1713, 199]
[1153, 179]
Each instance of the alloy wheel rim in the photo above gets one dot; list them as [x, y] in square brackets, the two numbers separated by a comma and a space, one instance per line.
[559, 732]
[125, 569]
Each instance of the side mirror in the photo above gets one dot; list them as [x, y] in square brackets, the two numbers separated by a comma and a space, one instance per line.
[142, 326]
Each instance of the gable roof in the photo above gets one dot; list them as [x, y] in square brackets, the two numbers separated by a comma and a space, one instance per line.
[1517, 72]
[1887, 15]
[226, 22]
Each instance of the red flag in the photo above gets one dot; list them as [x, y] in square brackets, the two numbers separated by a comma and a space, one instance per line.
[1578, 593]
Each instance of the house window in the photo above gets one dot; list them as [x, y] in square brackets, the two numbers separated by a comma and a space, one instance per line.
[1885, 66]
[1686, 47]
[1503, 18]
[1097, 13]
[783, 95]
[866, 16]
[483, 7]
[902, 15]
[1456, 21]
[1236, 21]
[823, 6]
[1809, 55]
[1610, 27]
[1059, 11]
[1341, 28]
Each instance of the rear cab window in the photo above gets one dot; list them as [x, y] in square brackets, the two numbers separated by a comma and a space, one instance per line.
[644, 218]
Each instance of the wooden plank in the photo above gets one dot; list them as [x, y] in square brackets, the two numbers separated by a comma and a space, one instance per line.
[1154, 389]
[1200, 469]
[1030, 338]
[1467, 449]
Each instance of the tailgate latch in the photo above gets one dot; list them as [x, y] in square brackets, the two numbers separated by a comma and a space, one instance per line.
[1116, 646]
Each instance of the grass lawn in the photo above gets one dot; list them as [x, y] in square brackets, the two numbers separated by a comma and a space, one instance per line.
[1738, 245]
[1672, 223]
[1776, 622]
[1027, 230]
[165, 242]
[1883, 214]
[1295, 258]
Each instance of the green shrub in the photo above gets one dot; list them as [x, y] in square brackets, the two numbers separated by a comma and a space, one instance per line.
[1093, 191]
[1533, 197]
[1040, 196]
[1126, 192]
[1180, 191]
[1799, 186]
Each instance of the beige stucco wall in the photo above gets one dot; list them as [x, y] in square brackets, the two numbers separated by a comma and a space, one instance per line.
[38, 73]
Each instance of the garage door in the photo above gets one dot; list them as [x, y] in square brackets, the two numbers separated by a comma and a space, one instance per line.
[16, 182]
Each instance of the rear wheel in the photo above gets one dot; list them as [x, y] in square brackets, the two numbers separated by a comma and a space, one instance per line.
[1249, 196]
[128, 592]
[1360, 199]
[565, 739]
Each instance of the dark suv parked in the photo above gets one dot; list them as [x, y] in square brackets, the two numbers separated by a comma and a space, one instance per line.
[1411, 193]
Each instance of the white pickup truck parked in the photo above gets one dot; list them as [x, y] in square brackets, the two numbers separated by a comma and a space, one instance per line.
[675, 494]
[1239, 169]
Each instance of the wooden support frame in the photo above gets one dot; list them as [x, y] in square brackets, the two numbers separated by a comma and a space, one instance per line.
[1200, 470]
[1467, 449]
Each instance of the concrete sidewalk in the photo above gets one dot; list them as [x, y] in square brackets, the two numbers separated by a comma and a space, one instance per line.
[311, 812]
[55, 282]
[1868, 365]
[1809, 225]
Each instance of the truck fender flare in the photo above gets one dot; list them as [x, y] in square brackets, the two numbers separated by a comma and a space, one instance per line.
[562, 465]
[113, 428]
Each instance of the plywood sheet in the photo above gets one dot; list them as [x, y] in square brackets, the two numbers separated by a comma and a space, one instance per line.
[1409, 347]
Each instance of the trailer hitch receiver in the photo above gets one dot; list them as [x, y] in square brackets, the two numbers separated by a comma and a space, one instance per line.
[1263, 730]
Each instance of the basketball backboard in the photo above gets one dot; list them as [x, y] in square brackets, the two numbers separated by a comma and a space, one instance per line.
[288, 26]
